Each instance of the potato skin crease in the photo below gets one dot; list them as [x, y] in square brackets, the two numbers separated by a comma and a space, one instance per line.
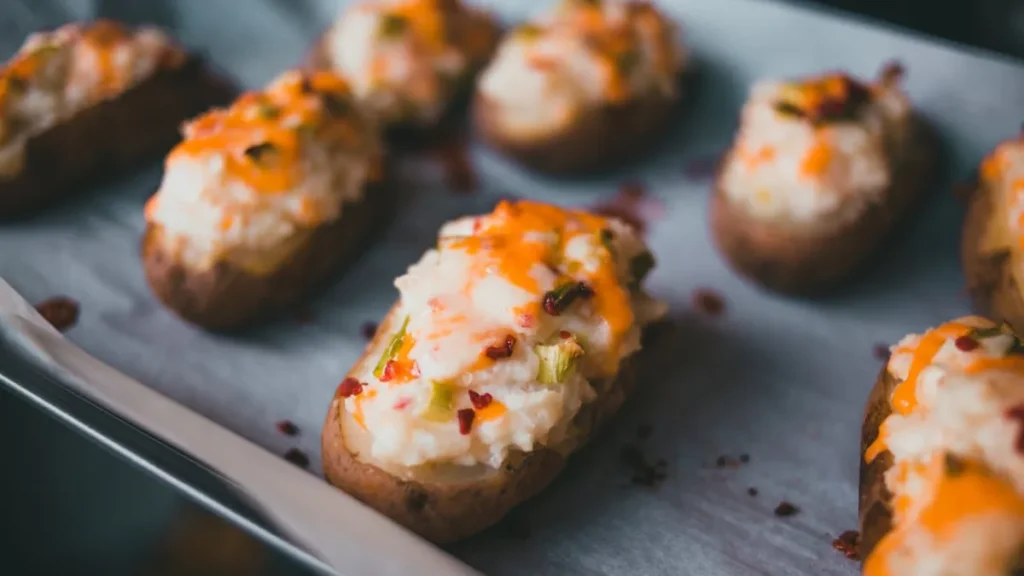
[111, 137]
[989, 275]
[810, 260]
[875, 501]
[227, 298]
[600, 140]
[445, 512]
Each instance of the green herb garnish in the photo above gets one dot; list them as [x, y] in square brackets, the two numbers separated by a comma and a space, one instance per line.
[441, 405]
[394, 345]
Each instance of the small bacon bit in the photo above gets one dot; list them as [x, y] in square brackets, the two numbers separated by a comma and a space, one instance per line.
[297, 457]
[287, 427]
[503, 350]
[60, 311]
[709, 302]
[557, 300]
[525, 320]
[390, 370]
[882, 352]
[350, 387]
[368, 330]
[564, 334]
[457, 166]
[849, 544]
[465, 416]
[966, 343]
[786, 509]
[751, 491]
[402, 403]
[1017, 413]
[480, 401]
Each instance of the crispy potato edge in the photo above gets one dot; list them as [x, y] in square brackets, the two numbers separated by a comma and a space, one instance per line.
[875, 501]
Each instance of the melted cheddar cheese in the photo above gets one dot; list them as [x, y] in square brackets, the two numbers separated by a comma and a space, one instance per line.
[582, 54]
[819, 149]
[57, 74]
[502, 299]
[955, 435]
[276, 163]
[407, 59]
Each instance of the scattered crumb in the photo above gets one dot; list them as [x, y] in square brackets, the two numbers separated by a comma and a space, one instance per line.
[882, 352]
[297, 457]
[708, 301]
[644, 431]
[752, 491]
[60, 311]
[287, 427]
[744, 458]
[644, 473]
[785, 509]
[727, 462]
[368, 330]
[849, 544]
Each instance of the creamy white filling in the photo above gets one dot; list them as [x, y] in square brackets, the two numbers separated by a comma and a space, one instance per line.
[982, 545]
[777, 186]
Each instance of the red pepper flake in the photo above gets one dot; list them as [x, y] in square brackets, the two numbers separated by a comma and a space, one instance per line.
[558, 300]
[350, 387]
[752, 491]
[466, 416]
[849, 544]
[965, 343]
[480, 401]
[708, 301]
[1017, 413]
[368, 330]
[390, 369]
[297, 457]
[458, 169]
[60, 311]
[402, 403]
[882, 352]
[565, 334]
[287, 427]
[503, 350]
[786, 509]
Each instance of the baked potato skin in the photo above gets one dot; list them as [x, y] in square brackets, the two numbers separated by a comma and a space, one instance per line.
[451, 511]
[989, 275]
[599, 140]
[808, 261]
[112, 136]
[226, 297]
[875, 505]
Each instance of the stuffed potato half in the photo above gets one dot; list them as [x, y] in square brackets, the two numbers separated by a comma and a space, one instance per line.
[821, 171]
[412, 63]
[263, 201]
[88, 100]
[585, 87]
[511, 343]
[942, 473]
[991, 253]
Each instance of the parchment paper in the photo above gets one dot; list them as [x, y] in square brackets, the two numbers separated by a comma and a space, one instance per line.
[782, 380]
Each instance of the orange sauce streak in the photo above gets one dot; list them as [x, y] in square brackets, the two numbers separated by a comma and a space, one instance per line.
[816, 162]
[406, 369]
[357, 414]
[490, 412]
[1012, 363]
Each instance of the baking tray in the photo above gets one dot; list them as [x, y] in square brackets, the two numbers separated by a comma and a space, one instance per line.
[780, 380]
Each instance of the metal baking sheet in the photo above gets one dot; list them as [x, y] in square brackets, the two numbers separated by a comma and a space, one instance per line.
[782, 380]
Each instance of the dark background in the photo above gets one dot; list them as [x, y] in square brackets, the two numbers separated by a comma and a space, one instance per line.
[69, 507]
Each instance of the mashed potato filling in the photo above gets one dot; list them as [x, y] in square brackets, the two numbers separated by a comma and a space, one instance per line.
[57, 74]
[407, 58]
[955, 436]
[275, 164]
[817, 149]
[582, 54]
[512, 324]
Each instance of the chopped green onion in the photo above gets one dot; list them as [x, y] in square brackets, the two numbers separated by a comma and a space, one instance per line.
[557, 360]
[394, 345]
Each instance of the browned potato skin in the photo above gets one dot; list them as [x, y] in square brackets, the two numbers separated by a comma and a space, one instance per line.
[875, 508]
[226, 297]
[990, 279]
[111, 137]
[600, 139]
[806, 261]
[451, 511]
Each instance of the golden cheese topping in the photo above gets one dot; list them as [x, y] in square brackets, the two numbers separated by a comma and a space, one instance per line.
[408, 58]
[502, 334]
[955, 435]
[276, 161]
[56, 74]
[583, 53]
[818, 148]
